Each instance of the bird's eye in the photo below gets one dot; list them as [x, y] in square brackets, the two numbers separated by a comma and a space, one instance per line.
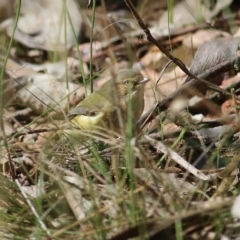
[127, 82]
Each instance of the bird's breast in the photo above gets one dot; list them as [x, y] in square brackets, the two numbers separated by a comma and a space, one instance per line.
[87, 123]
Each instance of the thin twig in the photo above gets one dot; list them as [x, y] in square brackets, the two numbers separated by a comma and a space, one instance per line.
[177, 61]
[178, 159]
[42, 224]
[184, 89]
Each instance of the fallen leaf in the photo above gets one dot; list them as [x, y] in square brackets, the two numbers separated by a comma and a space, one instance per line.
[42, 24]
[44, 93]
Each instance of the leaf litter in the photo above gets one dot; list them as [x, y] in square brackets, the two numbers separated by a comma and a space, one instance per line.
[178, 178]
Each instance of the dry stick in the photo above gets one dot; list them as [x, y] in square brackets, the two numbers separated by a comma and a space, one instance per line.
[155, 226]
[42, 224]
[177, 158]
[178, 62]
[184, 89]
[211, 123]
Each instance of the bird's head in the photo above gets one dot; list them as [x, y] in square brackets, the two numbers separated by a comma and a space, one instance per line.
[129, 81]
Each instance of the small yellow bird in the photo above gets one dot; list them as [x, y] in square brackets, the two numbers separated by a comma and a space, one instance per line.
[103, 108]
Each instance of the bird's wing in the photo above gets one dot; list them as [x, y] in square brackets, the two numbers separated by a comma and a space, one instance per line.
[86, 111]
[88, 107]
[91, 105]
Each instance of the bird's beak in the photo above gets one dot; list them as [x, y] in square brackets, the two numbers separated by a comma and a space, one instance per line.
[144, 80]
